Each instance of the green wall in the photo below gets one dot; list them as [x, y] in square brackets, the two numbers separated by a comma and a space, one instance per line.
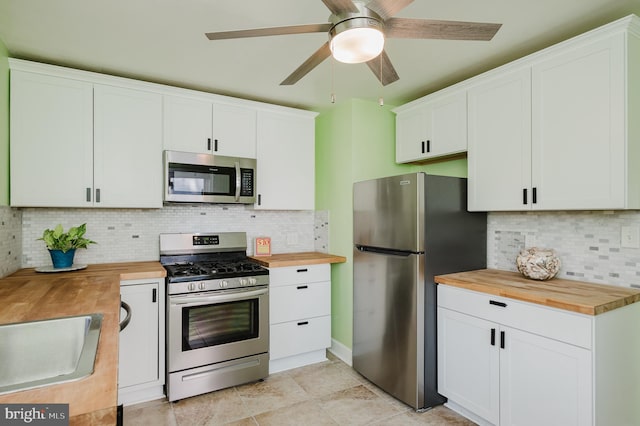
[356, 141]
[4, 125]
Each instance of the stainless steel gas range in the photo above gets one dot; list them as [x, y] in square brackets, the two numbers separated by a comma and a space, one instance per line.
[217, 313]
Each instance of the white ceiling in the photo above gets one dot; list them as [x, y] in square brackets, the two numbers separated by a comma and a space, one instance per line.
[163, 41]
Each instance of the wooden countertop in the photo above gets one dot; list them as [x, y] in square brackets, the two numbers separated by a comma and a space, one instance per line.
[27, 296]
[576, 296]
[297, 259]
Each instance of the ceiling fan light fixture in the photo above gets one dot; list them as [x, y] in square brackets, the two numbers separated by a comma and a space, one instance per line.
[356, 40]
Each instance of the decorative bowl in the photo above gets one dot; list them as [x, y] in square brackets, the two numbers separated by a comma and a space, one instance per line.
[538, 263]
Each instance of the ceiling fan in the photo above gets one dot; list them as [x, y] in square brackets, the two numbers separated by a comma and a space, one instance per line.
[357, 30]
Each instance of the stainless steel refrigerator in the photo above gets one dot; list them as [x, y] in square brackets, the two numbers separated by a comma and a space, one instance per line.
[407, 229]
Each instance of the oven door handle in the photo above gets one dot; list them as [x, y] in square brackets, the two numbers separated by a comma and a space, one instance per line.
[189, 300]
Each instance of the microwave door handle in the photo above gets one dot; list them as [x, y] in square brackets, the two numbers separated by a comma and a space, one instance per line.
[238, 181]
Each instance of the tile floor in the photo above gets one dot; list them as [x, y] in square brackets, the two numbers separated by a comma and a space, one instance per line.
[327, 393]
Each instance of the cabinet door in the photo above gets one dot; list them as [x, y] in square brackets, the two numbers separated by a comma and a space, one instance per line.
[139, 347]
[544, 382]
[412, 130]
[448, 125]
[128, 148]
[499, 151]
[234, 130]
[435, 129]
[51, 141]
[578, 146]
[468, 363]
[187, 124]
[286, 161]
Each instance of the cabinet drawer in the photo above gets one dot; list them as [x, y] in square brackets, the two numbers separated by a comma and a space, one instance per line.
[299, 301]
[565, 326]
[298, 337]
[299, 274]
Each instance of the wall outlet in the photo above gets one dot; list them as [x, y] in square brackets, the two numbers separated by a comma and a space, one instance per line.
[630, 237]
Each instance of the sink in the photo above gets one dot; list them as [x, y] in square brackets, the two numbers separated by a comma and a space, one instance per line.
[47, 352]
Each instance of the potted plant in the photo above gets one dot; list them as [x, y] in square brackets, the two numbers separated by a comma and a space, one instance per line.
[62, 245]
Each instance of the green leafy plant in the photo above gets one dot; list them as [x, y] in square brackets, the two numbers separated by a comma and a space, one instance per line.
[57, 239]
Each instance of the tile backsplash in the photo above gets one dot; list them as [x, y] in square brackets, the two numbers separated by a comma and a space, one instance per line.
[125, 235]
[10, 240]
[588, 243]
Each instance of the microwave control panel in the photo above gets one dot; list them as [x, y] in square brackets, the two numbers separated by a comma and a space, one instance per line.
[246, 182]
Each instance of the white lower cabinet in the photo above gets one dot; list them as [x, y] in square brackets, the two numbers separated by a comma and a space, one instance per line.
[141, 366]
[506, 362]
[299, 315]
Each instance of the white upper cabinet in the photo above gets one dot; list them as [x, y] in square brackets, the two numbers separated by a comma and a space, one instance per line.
[93, 145]
[578, 127]
[51, 141]
[204, 126]
[127, 148]
[286, 160]
[187, 124]
[83, 139]
[500, 141]
[558, 132]
[434, 126]
[234, 130]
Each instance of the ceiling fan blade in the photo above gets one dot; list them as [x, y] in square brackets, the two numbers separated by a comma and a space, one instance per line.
[340, 6]
[313, 61]
[260, 32]
[383, 69]
[387, 8]
[446, 30]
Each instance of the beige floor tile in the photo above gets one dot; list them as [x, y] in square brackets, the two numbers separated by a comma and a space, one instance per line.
[307, 413]
[276, 391]
[323, 378]
[327, 393]
[157, 412]
[396, 403]
[439, 416]
[356, 406]
[215, 408]
[248, 421]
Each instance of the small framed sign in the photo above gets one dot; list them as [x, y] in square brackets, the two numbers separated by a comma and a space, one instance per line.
[262, 246]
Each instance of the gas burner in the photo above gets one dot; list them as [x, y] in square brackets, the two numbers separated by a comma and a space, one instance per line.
[197, 262]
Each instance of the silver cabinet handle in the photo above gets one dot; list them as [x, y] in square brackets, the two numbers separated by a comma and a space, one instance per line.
[88, 194]
[97, 195]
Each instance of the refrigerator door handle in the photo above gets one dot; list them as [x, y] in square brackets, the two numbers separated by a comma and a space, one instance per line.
[386, 251]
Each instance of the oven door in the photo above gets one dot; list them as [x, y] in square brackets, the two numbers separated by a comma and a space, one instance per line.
[206, 328]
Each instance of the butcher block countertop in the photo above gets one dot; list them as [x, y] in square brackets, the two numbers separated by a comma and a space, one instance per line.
[576, 296]
[297, 259]
[28, 295]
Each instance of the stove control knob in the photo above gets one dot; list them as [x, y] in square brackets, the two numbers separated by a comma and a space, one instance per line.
[243, 281]
[202, 286]
[253, 281]
[223, 283]
[192, 286]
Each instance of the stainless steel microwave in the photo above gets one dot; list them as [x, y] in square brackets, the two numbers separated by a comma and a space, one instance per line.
[204, 178]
